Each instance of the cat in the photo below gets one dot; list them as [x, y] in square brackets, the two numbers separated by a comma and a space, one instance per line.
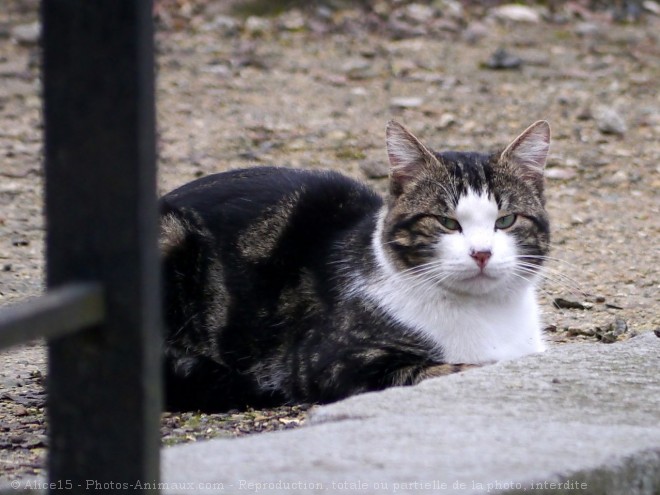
[287, 286]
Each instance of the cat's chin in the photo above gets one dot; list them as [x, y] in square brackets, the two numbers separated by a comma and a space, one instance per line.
[480, 284]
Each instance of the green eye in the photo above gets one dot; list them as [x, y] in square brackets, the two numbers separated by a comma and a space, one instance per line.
[506, 221]
[449, 223]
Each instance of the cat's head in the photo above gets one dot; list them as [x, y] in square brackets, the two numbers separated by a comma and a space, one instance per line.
[472, 223]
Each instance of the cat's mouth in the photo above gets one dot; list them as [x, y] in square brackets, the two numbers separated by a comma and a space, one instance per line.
[479, 283]
[479, 277]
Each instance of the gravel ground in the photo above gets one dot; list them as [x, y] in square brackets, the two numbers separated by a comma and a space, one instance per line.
[315, 89]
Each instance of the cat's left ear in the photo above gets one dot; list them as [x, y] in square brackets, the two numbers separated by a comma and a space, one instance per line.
[408, 157]
[529, 151]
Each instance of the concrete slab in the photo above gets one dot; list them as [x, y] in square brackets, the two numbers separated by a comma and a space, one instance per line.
[580, 418]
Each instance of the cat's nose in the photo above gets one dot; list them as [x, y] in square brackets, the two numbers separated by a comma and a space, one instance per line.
[481, 258]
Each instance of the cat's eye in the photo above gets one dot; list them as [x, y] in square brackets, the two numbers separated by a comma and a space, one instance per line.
[449, 223]
[506, 221]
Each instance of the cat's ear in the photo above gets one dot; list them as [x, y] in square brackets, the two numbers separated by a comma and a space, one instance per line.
[408, 156]
[529, 151]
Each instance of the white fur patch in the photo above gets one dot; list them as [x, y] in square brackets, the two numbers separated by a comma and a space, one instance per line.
[471, 318]
[172, 234]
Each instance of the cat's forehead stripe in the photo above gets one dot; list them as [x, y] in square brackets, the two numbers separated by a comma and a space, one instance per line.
[470, 170]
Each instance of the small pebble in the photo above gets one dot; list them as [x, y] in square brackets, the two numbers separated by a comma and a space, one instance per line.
[651, 6]
[257, 25]
[358, 68]
[451, 8]
[609, 121]
[618, 177]
[445, 120]
[585, 29]
[403, 30]
[613, 331]
[418, 12]
[15, 439]
[33, 442]
[474, 32]
[225, 24]
[516, 13]
[592, 159]
[585, 113]
[560, 173]
[406, 102]
[27, 34]
[375, 169]
[587, 332]
[20, 411]
[501, 59]
[359, 91]
[292, 20]
[562, 303]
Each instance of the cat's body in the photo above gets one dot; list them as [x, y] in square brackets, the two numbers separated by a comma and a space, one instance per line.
[287, 286]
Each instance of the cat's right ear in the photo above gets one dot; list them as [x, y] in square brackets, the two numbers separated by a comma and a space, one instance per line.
[408, 156]
[529, 151]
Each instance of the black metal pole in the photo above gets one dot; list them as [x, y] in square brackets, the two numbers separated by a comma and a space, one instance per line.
[104, 390]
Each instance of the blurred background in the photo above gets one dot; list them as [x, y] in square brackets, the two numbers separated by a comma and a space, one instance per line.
[313, 83]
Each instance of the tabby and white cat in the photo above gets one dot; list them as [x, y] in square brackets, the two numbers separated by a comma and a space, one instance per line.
[285, 286]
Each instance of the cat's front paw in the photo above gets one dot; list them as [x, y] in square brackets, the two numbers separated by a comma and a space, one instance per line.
[443, 370]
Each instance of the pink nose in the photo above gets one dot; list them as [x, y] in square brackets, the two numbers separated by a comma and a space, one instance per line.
[481, 258]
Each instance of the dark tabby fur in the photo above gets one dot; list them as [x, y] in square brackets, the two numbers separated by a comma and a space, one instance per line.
[259, 265]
